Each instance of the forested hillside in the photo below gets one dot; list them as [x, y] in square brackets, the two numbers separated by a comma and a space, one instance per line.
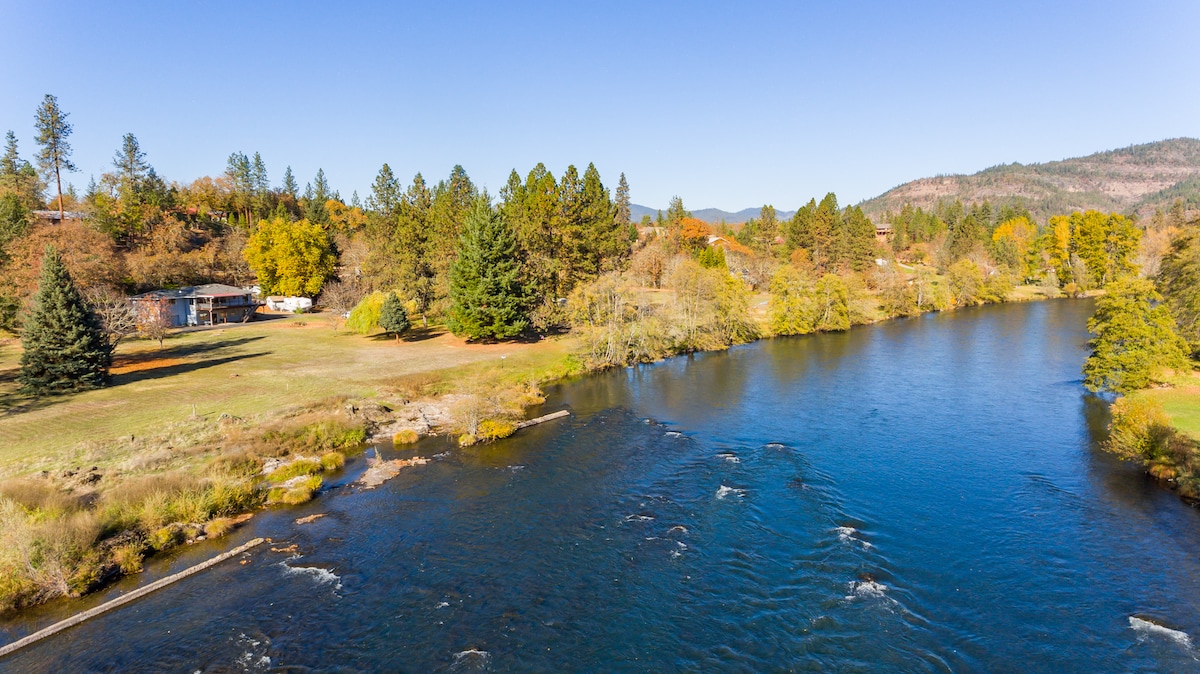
[1135, 180]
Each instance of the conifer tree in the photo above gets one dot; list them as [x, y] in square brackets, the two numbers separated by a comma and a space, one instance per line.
[392, 316]
[623, 202]
[65, 348]
[385, 193]
[290, 187]
[131, 165]
[55, 156]
[18, 177]
[487, 287]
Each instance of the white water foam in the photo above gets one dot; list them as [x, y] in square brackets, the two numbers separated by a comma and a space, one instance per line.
[674, 434]
[726, 491]
[322, 576]
[1145, 628]
[730, 457]
[846, 535]
[443, 604]
[473, 658]
[638, 518]
[860, 589]
[677, 529]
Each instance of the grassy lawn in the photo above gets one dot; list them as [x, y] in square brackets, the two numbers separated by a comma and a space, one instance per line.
[244, 371]
[1181, 403]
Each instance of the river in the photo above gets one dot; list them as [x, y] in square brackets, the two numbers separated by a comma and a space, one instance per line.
[917, 495]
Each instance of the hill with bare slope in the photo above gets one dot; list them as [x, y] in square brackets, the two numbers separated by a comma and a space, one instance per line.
[1133, 180]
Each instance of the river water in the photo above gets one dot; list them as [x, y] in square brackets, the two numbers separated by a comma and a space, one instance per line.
[918, 495]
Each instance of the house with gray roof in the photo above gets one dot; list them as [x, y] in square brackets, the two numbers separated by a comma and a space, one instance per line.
[210, 304]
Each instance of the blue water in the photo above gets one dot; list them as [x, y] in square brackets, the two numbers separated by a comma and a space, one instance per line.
[919, 495]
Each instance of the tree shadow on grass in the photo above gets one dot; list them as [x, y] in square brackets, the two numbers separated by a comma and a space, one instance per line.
[179, 368]
[13, 402]
[174, 351]
[413, 334]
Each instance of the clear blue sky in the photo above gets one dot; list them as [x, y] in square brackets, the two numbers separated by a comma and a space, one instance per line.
[725, 104]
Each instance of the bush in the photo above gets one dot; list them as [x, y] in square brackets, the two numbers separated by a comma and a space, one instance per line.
[295, 493]
[328, 434]
[218, 527]
[405, 437]
[1139, 430]
[332, 461]
[364, 317]
[167, 537]
[467, 439]
[295, 469]
[494, 429]
[128, 557]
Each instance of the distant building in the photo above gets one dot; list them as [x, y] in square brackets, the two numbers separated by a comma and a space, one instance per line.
[210, 304]
[51, 217]
[289, 304]
[883, 232]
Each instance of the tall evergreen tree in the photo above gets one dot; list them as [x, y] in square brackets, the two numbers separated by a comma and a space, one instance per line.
[532, 210]
[55, 155]
[260, 185]
[64, 345]
[624, 212]
[393, 318]
[17, 176]
[130, 163]
[290, 187]
[487, 288]
[385, 193]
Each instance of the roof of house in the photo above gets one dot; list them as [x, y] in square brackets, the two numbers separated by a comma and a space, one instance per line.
[206, 290]
[53, 215]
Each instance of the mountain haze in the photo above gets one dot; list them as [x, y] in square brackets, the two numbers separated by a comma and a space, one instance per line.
[712, 216]
[1133, 180]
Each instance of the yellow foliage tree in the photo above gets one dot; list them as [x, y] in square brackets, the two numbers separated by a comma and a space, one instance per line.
[290, 258]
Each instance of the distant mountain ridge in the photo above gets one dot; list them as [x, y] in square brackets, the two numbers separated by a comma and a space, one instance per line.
[712, 216]
[1134, 180]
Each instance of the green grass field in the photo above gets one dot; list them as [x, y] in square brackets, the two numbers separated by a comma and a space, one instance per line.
[247, 371]
[1181, 403]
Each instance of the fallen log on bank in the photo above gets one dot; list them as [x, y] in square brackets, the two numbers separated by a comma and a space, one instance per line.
[125, 598]
[543, 419]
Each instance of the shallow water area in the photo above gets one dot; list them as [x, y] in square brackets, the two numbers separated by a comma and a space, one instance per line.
[919, 495]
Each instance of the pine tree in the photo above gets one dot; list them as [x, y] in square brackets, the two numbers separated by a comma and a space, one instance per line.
[131, 166]
[17, 176]
[623, 202]
[385, 193]
[392, 316]
[290, 187]
[487, 289]
[55, 156]
[65, 348]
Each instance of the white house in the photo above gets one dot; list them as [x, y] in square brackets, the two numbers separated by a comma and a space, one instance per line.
[289, 304]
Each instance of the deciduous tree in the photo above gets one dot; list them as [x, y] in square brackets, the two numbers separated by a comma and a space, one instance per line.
[1135, 338]
[290, 258]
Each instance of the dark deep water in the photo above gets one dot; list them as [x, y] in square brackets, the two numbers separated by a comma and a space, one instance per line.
[920, 495]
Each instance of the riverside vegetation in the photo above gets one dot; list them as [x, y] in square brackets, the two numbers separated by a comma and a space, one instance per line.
[553, 273]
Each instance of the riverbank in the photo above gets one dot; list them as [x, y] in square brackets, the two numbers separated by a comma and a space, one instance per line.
[178, 444]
